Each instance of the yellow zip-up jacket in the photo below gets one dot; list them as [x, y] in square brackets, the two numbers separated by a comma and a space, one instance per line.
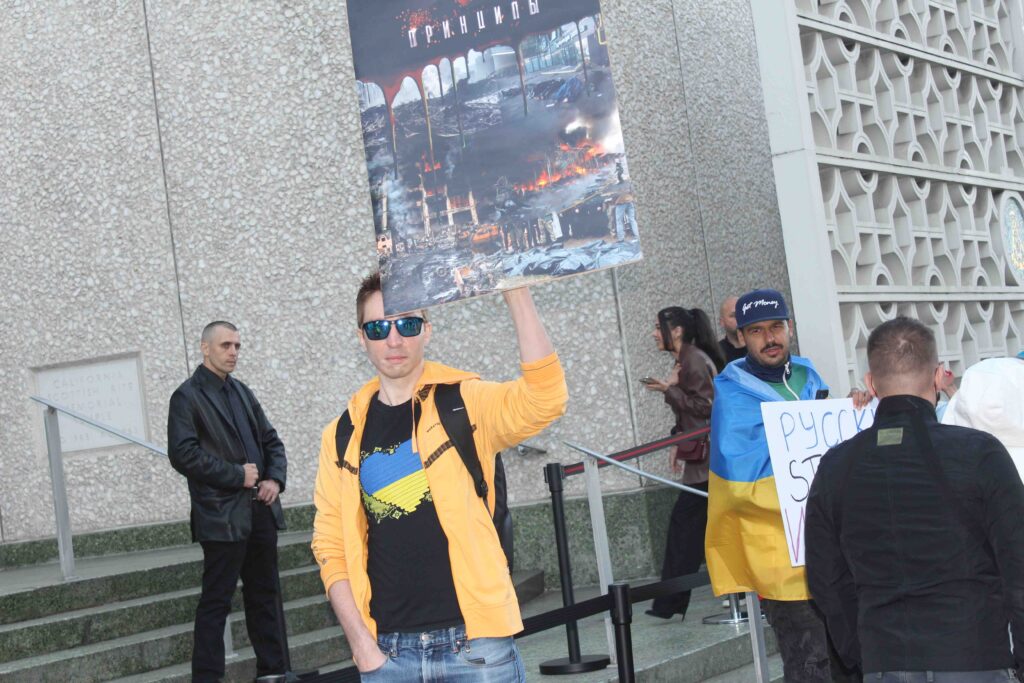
[503, 414]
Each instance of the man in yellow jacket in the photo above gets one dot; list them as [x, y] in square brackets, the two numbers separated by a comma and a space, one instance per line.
[408, 552]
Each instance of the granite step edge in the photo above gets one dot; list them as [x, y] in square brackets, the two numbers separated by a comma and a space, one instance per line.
[99, 623]
[32, 594]
[308, 651]
[118, 653]
[129, 539]
[310, 611]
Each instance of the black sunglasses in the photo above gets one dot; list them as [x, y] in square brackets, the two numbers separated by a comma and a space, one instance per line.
[409, 326]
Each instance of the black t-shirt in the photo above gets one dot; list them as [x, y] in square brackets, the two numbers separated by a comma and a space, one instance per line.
[730, 352]
[410, 573]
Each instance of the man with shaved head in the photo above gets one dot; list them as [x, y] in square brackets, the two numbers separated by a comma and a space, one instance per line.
[731, 344]
[220, 439]
[915, 547]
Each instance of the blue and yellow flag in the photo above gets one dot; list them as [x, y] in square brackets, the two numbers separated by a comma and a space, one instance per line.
[745, 544]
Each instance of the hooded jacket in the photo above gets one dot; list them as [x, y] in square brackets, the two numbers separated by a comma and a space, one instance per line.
[745, 544]
[990, 399]
[502, 414]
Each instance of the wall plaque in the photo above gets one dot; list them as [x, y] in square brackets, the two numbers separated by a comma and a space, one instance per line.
[108, 391]
[1013, 234]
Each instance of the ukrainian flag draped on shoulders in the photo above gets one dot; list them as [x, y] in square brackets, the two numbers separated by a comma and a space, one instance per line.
[746, 544]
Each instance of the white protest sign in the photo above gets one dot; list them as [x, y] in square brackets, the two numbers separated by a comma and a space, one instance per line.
[799, 433]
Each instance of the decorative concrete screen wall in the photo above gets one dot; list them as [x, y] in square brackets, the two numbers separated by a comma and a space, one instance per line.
[911, 133]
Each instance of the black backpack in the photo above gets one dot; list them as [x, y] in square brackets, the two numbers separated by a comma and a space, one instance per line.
[452, 411]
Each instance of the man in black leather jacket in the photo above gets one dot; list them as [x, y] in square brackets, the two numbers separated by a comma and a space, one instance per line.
[915, 546]
[220, 439]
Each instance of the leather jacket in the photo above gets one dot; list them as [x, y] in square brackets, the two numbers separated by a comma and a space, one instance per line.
[690, 398]
[203, 445]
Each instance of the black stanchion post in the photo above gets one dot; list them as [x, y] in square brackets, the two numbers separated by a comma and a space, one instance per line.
[289, 676]
[575, 663]
[555, 476]
[282, 628]
[622, 617]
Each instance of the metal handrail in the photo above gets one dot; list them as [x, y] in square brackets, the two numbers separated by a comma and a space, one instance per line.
[99, 425]
[645, 449]
[65, 545]
[757, 642]
[632, 470]
[55, 455]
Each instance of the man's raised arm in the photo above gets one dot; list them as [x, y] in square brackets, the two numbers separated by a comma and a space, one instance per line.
[530, 333]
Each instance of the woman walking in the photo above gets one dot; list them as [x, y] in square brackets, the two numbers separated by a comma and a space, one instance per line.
[689, 391]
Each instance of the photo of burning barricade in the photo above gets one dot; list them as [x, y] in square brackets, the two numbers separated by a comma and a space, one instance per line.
[493, 145]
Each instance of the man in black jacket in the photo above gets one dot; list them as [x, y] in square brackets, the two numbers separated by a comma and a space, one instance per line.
[219, 438]
[915, 541]
[732, 346]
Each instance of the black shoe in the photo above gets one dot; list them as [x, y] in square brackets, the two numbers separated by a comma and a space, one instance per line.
[660, 615]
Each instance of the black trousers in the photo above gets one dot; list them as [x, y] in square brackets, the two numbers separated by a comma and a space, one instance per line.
[684, 547]
[255, 561]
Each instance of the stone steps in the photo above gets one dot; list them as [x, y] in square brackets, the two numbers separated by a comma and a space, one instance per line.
[309, 651]
[133, 539]
[745, 674]
[98, 644]
[115, 620]
[128, 615]
[34, 592]
[157, 645]
[169, 646]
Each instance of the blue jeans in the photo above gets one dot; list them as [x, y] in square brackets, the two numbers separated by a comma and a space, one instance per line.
[446, 656]
[994, 676]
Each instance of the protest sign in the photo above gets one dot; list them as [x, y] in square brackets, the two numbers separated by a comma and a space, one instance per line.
[493, 145]
[799, 433]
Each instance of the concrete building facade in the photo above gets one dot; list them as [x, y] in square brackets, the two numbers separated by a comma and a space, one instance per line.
[168, 163]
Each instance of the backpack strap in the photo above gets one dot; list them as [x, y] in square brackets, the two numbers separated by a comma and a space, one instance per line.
[342, 435]
[451, 410]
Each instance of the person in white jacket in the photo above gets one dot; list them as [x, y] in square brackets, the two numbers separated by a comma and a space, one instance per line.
[989, 399]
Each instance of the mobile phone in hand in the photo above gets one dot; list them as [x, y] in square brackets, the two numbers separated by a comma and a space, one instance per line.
[648, 380]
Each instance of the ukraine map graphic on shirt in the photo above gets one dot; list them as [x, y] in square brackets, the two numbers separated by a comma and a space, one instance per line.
[393, 482]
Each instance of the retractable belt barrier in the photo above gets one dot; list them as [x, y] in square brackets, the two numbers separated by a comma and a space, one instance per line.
[601, 547]
[618, 602]
[603, 603]
[554, 475]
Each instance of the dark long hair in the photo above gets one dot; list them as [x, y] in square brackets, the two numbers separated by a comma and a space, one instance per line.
[697, 330]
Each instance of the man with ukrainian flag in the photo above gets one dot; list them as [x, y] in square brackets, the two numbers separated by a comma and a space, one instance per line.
[746, 543]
